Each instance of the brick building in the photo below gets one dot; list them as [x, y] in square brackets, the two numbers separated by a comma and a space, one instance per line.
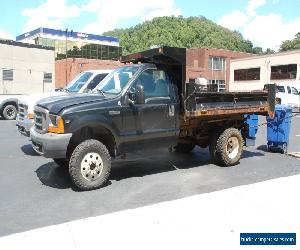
[67, 69]
[211, 64]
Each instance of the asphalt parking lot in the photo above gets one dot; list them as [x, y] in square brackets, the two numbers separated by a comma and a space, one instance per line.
[35, 192]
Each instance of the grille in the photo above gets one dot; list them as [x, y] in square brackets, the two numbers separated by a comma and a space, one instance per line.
[22, 111]
[40, 120]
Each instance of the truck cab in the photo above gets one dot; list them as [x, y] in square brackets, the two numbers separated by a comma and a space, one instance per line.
[135, 104]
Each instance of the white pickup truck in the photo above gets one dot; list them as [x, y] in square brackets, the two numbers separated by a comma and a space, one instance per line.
[9, 106]
[288, 94]
[82, 83]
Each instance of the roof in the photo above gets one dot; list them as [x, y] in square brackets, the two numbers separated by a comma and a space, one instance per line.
[165, 54]
[290, 52]
[223, 50]
[66, 33]
[25, 45]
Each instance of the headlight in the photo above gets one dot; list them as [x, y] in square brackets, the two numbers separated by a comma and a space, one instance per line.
[56, 124]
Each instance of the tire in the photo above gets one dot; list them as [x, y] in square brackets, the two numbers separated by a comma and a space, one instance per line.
[64, 163]
[10, 112]
[184, 147]
[229, 147]
[90, 165]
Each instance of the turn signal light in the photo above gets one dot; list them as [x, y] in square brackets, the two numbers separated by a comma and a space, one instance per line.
[58, 127]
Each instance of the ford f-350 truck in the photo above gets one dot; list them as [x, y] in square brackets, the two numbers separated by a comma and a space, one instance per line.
[143, 105]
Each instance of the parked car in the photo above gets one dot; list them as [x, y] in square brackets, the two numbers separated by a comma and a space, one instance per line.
[145, 104]
[287, 94]
[9, 106]
[82, 83]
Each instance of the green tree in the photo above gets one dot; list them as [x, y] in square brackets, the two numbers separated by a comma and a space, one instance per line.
[191, 32]
[291, 44]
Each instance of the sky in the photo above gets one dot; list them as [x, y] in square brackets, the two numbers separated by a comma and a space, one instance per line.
[264, 22]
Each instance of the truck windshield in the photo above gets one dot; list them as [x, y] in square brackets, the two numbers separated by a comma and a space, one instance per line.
[76, 84]
[117, 80]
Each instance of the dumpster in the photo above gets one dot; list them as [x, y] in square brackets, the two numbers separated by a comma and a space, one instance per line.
[278, 131]
[252, 122]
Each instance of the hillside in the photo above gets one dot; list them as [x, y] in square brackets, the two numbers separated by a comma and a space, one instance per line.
[189, 32]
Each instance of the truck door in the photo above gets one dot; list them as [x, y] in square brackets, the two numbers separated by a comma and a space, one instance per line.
[156, 121]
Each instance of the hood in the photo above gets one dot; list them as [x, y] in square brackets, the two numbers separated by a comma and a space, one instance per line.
[58, 103]
[32, 100]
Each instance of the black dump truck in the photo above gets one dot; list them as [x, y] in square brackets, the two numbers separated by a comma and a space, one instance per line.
[144, 104]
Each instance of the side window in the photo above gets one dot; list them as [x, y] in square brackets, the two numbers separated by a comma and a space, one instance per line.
[156, 85]
[289, 89]
[97, 79]
[295, 91]
[280, 89]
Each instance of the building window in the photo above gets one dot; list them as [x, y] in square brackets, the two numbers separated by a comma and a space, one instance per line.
[247, 74]
[7, 75]
[48, 77]
[87, 50]
[216, 85]
[217, 63]
[284, 72]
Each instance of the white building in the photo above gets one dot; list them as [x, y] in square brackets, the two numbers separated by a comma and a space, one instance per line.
[252, 73]
[25, 68]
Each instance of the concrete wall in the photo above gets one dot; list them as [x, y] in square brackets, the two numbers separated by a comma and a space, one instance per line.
[67, 69]
[264, 62]
[28, 65]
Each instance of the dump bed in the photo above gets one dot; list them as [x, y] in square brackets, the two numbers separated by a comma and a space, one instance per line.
[202, 104]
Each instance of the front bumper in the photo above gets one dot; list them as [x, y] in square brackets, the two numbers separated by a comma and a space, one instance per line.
[24, 125]
[50, 145]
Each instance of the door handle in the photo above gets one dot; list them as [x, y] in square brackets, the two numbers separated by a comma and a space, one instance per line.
[171, 110]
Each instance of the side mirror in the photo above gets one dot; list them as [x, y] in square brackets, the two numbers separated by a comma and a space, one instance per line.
[140, 94]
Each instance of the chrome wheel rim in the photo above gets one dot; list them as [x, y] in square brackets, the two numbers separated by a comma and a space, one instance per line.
[10, 112]
[91, 166]
[232, 147]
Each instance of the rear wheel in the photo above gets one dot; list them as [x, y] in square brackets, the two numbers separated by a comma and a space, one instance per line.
[10, 112]
[184, 147]
[226, 149]
[90, 165]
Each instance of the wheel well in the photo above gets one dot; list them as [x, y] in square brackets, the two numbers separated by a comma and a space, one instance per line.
[98, 133]
[10, 103]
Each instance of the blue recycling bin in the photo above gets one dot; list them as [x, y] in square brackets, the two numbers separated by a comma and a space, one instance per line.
[278, 131]
[252, 122]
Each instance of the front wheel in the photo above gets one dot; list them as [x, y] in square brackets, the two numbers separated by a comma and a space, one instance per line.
[10, 112]
[90, 165]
